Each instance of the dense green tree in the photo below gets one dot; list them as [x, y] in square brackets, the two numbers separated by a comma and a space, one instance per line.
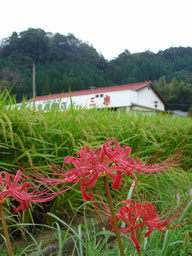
[63, 63]
[178, 94]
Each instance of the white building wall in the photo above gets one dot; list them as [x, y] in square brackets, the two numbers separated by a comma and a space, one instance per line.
[99, 100]
[104, 100]
[119, 99]
[147, 96]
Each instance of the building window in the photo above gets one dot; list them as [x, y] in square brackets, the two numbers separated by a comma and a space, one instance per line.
[97, 96]
[101, 95]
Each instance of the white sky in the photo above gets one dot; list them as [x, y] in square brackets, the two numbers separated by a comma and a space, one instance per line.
[111, 26]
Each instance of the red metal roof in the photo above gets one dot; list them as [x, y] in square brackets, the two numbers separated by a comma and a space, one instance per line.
[132, 87]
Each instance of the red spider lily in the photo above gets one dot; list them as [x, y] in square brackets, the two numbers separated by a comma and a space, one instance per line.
[113, 161]
[136, 215]
[109, 159]
[123, 165]
[88, 168]
[22, 191]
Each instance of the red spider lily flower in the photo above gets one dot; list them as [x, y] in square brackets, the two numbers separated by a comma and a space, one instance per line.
[124, 165]
[22, 191]
[113, 161]
[88, 167]
[136, 215]
[109, 159]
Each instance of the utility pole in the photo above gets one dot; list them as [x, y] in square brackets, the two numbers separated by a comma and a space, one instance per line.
[34, 91]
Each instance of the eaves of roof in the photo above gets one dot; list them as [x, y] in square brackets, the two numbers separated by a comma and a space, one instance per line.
[159, 94]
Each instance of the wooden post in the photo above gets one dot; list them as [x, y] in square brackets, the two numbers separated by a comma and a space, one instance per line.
[34, 90]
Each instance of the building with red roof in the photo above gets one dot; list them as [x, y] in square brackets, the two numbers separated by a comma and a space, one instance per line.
[138, 96]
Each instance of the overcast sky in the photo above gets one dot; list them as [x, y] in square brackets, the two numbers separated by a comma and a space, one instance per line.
[110, 26]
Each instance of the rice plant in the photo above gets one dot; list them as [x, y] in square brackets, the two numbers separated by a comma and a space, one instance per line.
[38, 137]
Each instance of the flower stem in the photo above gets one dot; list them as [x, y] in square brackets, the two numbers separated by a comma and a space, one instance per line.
[5, 231]
[110, 201]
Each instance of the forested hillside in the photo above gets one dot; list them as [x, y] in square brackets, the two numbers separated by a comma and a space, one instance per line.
[64, 62]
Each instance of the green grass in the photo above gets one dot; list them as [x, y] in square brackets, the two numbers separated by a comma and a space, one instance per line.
[87, 237]
[37, 137]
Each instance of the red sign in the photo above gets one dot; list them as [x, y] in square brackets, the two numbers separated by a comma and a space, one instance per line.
[107, 100]
[92, 102]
